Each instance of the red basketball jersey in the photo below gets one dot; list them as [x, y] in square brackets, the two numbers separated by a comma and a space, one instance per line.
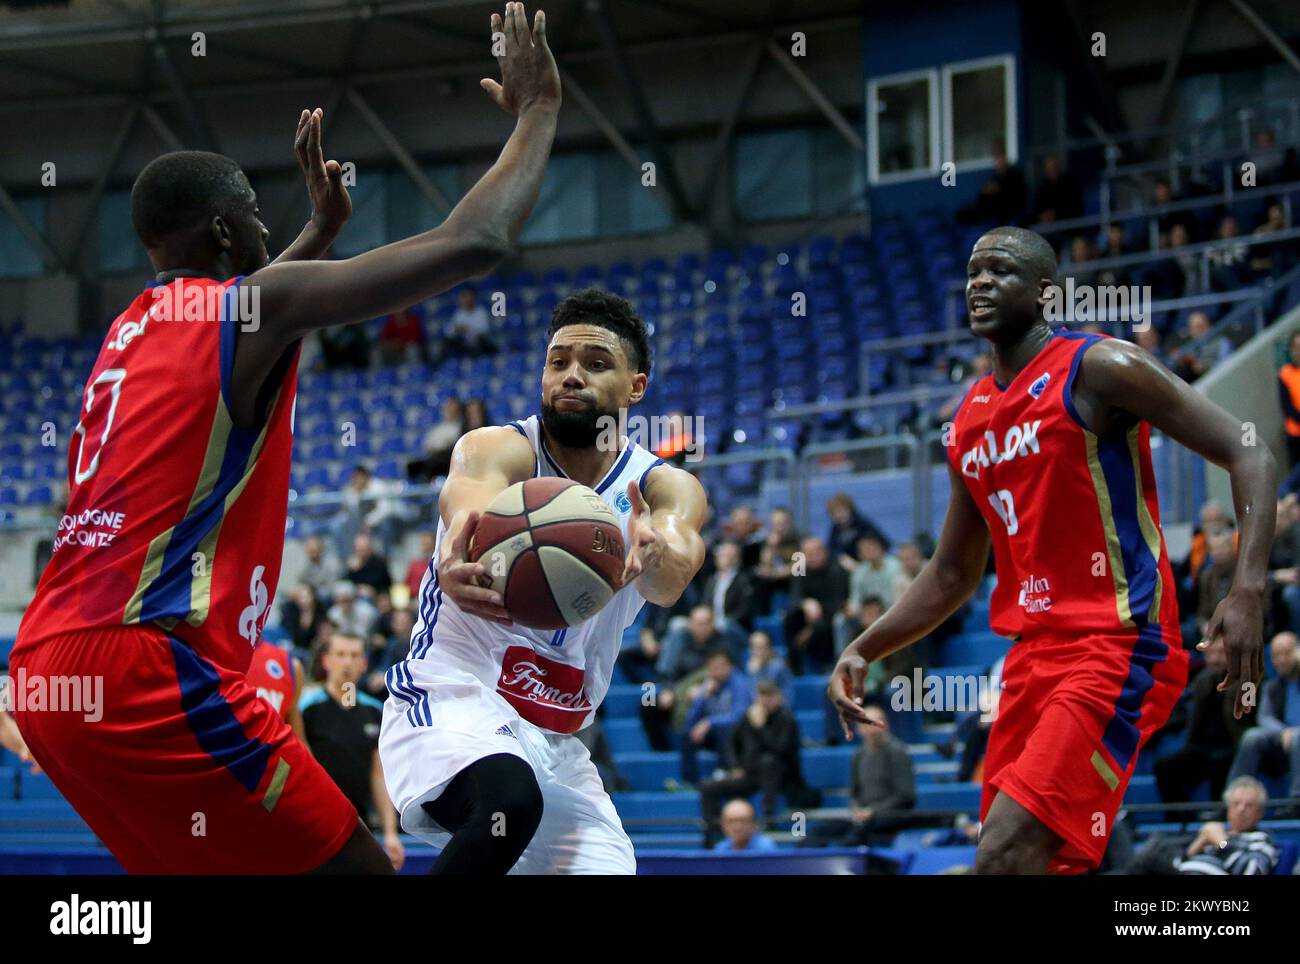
[271, 674]
[176, 516]
[1074, 518]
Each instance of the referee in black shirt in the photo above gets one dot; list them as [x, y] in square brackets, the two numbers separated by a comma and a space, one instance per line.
[342, 725]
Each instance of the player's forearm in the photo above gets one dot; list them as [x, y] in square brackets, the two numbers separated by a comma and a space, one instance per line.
[1254, 488]
[670, 562]
[499, 204]
[932, 597]
[383, 806]
[312, 242]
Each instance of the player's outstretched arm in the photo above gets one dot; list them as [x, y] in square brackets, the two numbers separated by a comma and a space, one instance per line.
[1124, 377]
[484, 463]
[666, 549]
[946, 581]
[301, 296]
[330, 204]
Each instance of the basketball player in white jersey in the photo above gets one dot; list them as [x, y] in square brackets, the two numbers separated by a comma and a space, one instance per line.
[478, 743]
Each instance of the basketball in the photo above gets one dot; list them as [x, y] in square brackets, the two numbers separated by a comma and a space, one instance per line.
[553, 549]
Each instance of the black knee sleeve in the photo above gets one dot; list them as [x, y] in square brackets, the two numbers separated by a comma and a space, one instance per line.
[492, 808]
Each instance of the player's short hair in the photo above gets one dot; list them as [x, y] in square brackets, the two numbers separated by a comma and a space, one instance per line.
[591, 306]
[1033, 252]
[180, 190]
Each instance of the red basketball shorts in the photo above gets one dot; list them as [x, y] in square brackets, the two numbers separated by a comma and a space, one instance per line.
[187, 770]
[1074, 712]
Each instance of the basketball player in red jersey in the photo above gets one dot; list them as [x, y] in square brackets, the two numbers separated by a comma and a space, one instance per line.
[167, 557]
[276, 676]
[1050, 461]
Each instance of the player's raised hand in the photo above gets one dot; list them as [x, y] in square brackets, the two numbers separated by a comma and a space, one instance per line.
[529, 77]
[331, 206]
[845, 689]
[1239, 622]
[462, 580]
[640, 535]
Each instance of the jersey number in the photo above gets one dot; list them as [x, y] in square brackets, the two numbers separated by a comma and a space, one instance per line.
[1005, 507]
[89, 416]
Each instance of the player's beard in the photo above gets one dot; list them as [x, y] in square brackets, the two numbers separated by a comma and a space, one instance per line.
[575, 430]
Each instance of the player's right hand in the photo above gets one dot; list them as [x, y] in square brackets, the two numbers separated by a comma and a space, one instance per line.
[529, 77]
[845, 689]
[463, 581]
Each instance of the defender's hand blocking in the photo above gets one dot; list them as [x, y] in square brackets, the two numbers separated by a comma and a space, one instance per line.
[1239, 622]
[847, 682]
[461, 579]
[641, 534]
[330, 204]
[529, 77]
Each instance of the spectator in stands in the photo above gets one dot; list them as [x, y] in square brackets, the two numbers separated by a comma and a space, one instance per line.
[743, 528]
[1059, 197]
[740, 830]
[1116, 247]
[471, 329]
[849, 625]
[1288, 378]
[686, 648]
[1199, 352]
[1167, 221]
[882, 788]
[1216, 576]
[342, 727]
[777, 555]
[345, 347]
[848, 526]
[1272, 747]
[476, 414]
[973, 728]
[366, 567]
[438, 443]
[352, 614]
[910, 564]
[1284, 564]
[1273, 164]
[730, 590]
[817, 593]
[761, 754]
[1003, 198]
[388, 648]
[765, 664]
[401, 339]
[716, 705]
[1273, 258]
[301, 615]
[321, 570]
[1230, 259]
[1211, 734]
[1176, 275]
[419, 565]
[1240, 848]
[1082, 251]
[876, 574]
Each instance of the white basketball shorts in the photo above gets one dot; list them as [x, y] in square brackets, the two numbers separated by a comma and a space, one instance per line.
[457, 721]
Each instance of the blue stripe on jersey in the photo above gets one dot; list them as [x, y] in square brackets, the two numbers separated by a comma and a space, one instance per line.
[1141, 568]
[229, 321]
[1067, 393]
[640, 483]
[168, 596]
[617, 470]
[213, 720]
[519, 428]
[1121, 734]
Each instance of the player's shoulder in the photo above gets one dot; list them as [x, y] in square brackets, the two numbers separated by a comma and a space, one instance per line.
[498, 446]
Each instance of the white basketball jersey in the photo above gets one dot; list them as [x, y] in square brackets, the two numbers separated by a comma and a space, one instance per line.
[554, 679]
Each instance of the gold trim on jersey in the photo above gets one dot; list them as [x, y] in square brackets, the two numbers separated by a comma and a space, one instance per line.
[1114, 553]
[209, 475]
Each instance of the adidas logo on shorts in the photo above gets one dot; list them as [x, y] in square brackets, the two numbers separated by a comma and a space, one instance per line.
[504, 730]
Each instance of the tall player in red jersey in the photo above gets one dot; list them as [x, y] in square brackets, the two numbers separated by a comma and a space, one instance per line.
[1050, 462]
[167, 558]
